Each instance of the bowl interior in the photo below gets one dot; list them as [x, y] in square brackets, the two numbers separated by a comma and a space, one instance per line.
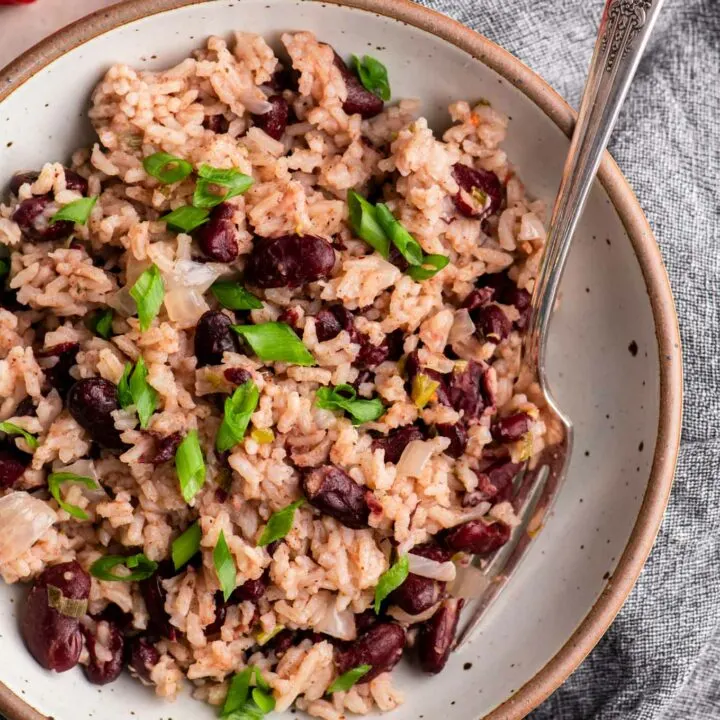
[603, 351]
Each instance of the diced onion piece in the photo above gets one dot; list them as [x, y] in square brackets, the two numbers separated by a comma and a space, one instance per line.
[23, 520]
[84, 468]
[414, 458]
[406, 619]
[185, 306]
[531, 228]
[191, 274]
[463, 328]
[425, 567]
[134, 268]
[123, 302]
[470, 582]
[338, 623]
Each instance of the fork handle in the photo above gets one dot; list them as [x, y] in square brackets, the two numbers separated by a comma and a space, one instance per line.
[624, 31]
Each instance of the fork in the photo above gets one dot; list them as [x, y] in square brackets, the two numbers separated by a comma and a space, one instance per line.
[623, 34]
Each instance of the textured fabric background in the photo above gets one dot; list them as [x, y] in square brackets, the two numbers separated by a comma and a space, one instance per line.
[660, 660]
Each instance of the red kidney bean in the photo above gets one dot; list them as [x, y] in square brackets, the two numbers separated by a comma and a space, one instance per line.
[281, 643]
[91, 402]
[289, 261]
[359, 100]
[164, 450]
[220, 612]
[333, 492]
[275, 120]
[381, 647]
[492, 323]
[521, 299]
[395, 442]
[217, 124]
[511, 427]
[488, 388]
[477, 537]
[154, 595]
[284, 79]
[365, 620]
[59, 374]
[472, 178]
[479, 297]
[26, 408]
[54, 639]
[463, 390]
[417, 594]
[371, 355]
[12, 466]
[19, 179]
[395, 341]
[494, 483]
[213, 337]
[73, 181]
[433, 552]
[436, 636]
[114, 615]
[457, 434]
[237, 376]
[142, 657]
[331, 321]
[35, 225]
[251, 590]
[101, 671]
[218, 237]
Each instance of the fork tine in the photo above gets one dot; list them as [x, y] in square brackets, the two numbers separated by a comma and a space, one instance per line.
[530, 490]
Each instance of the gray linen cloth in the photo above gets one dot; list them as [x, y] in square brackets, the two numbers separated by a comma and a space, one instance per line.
[660, 660]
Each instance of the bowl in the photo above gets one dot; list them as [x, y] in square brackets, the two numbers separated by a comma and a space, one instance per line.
[614, 353]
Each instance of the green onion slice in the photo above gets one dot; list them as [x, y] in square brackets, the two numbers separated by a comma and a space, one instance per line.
[167, 168]
[373, 76]
[263, 700]
[280, 523]
[13, 429]
[190, 466]
[102, 323]
[391, 580]
[244, 703]
[344, 397]
[364, 223]
[225, 566]
[431, 266]
[78, 211]
[234, 296]
[148, 293]
[123, 388]
[407, 245]
[143, 394]
[348, 679]
[56, 479]
[230, 183]
[186, 546]
[275, 342]
[139, 565]
[239, 407]
[186, 218]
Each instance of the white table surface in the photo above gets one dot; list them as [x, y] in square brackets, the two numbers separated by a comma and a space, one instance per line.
[21, 26]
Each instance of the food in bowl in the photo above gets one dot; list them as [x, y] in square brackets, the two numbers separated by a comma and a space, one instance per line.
[260, 382]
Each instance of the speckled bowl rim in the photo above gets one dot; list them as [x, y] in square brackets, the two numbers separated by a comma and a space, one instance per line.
[603, 612]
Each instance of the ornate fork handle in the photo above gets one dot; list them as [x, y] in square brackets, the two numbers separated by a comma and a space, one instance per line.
[623, 34]
[624, 31]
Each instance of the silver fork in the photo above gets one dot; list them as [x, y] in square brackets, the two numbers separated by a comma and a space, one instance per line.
[622, 36]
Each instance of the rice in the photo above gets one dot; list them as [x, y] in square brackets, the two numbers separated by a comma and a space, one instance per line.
[370, 326]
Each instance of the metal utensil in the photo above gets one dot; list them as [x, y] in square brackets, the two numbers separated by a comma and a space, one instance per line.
[622, 36]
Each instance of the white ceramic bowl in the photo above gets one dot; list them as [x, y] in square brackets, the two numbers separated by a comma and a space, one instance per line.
[614, 351]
